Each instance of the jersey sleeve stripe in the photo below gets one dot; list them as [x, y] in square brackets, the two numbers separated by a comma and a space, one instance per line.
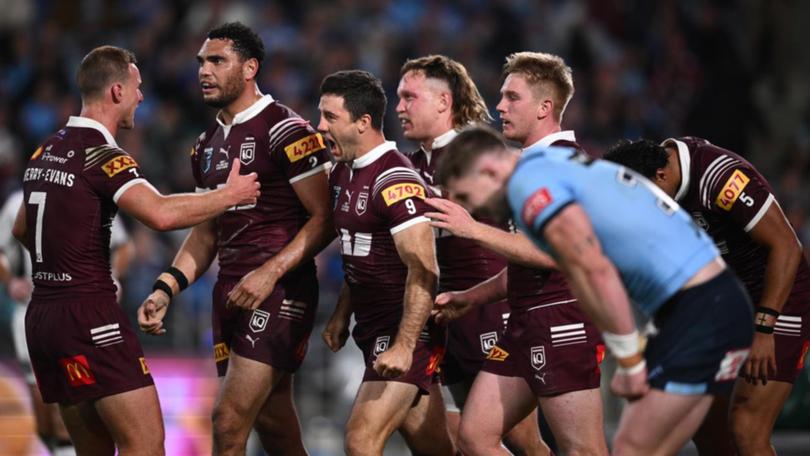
[760, 213]
[100, 154]
[283, 129]
[323, 167]
[706, 181]
[715, 180]
[128, 185]
[201, 190]
[408, 224]
[399, 172]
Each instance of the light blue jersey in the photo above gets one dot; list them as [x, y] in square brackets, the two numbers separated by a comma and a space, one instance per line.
[652, 242]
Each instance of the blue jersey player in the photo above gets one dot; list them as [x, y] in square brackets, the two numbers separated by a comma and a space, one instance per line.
[618, 239]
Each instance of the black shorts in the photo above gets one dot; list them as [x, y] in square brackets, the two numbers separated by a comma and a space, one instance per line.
[701, 338]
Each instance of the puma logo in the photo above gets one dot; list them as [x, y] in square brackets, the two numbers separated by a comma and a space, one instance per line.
[252, 340]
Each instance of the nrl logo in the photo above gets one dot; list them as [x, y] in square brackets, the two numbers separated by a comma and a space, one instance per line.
[258, 321]
[488, 340]
[247, 152]
[381, 345]
[362, 203]
[538, 357]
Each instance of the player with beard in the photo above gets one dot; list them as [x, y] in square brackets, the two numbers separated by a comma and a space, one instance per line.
[265, 298]
[551, 351]
[730, 199]
[436, 99]
[389, 258]
[84, 353]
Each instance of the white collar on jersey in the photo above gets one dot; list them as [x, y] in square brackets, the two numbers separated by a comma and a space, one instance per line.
[86, 122]
[439, 142]
[686, 165]
[248, 113]
[545, 141]
[372, 155]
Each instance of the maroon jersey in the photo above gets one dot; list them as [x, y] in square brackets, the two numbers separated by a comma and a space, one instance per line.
[375, 197]
[282, 148]
[72, 184]
[727, 197]
[463, 262]
[530, 287]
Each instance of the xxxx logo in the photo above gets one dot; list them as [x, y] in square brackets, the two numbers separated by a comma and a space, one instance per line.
[118, 164]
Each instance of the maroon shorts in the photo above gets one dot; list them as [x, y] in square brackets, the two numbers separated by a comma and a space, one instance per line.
[553, 347]
[426, 356]
[792, 338]
[83, 349]
[275, 333]
[469, 340]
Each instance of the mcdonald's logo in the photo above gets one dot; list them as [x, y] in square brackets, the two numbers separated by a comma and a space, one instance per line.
[77, 371]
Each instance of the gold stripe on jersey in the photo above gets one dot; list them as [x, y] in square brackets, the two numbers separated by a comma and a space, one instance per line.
[304, 147]
[95, 155]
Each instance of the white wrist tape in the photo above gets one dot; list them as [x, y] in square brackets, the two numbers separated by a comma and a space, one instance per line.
[622, 345]
[631, 370]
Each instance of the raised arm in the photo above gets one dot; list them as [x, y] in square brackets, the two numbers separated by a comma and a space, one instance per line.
[417, 249]
[170, 212]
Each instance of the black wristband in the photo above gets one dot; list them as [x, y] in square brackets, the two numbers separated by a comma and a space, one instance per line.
[178, 275]
[161, 285]
[768, 311]
[763, 329]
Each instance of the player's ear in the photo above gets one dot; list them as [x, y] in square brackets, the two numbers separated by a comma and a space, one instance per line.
[117, 92]
[250, 68]
[363, 123]
[545, 108]
[445, 101]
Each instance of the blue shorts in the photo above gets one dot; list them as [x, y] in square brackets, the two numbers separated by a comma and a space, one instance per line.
[702, 337]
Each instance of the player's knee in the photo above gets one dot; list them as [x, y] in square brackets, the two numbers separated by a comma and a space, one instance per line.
[747, 430]
[226, 422]
[472, 441]
[631, 443]
[360, 441]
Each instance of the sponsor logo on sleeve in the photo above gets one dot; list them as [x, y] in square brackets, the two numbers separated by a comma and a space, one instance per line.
[497, 354]
[538, 355]
[399, 192]
[221, 352]
[144, 367]
[304, 147]
[118, 164]
[435, 358]
[732, 190]
[535, 204]
[77, 371]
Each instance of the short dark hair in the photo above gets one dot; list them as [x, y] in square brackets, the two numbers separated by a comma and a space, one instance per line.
[468, 104]
[362, 94]
[643, 156]
[100, 68]
[246, 42]
[463, 151]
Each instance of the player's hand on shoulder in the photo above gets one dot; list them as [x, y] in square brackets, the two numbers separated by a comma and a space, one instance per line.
[452, 217]
[243, 189]
[630, 383]
[252, 290]
[394, 362]
[152, 311]
[450, 305]
[336, 333]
